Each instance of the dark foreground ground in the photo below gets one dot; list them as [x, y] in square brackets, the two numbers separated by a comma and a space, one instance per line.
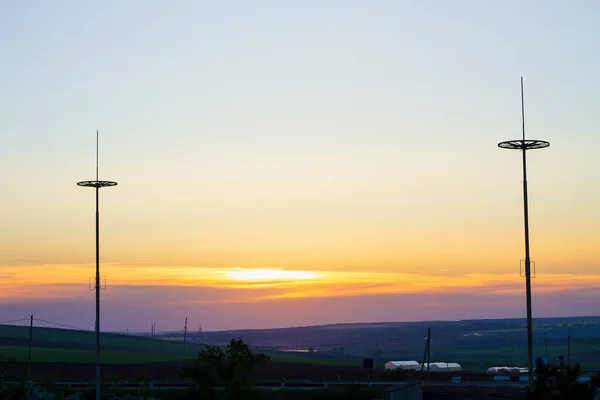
[170, 372]
[274, 370]
[478, 386]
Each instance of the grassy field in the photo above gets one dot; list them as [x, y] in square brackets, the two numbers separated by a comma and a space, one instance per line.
[84, 356]
[18, 336]
[66, 346]
[21, 353]
[70, 346]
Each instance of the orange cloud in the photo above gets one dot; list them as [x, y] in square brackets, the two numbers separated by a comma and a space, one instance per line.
[71, 281]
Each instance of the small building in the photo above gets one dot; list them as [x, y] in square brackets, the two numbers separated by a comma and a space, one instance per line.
[440, 366]
[406, 365]
[453, 367]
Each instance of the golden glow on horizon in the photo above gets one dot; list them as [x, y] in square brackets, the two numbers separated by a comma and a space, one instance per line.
[71, 281]
[265, 275]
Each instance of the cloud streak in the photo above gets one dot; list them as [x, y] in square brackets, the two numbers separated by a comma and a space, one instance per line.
[136, 307]
[65, 281]
[226, 298]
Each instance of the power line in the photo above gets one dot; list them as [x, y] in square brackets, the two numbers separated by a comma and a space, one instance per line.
[157, 333]
[14, 320]
[61, 325]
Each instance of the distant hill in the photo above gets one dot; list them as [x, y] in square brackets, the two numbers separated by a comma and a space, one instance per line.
[473, 343]
[51, 343]
[481, 341]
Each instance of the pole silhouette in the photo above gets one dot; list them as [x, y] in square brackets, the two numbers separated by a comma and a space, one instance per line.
[569, 350]
[525, 145]
[97, 184]
[184, 336]
[30, 343]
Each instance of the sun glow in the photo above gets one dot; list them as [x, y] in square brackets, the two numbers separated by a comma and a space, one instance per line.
[67, 281]
[264, 275]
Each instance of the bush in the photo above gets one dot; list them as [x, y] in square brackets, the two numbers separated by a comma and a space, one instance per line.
[231, 368]
[560, 382]
[26, 391]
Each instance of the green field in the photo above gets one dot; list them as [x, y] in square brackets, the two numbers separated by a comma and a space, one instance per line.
[66, 346]
[49, 355]
[82, 340]
[63, 346]
[84, 356]
[72, 346]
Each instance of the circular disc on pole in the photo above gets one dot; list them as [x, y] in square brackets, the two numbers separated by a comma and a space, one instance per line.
[520, 144]
[97, 184]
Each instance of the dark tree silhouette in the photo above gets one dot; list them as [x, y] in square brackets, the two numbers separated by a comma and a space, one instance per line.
[559, 382]
[231, 368]
[5, 366]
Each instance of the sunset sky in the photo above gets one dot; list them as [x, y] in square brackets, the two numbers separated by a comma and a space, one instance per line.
[292, 163]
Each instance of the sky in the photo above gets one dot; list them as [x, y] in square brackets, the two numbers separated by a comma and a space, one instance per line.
[297, 163]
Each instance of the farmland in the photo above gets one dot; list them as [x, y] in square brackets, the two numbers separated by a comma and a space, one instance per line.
[60, 354]
[336, 351]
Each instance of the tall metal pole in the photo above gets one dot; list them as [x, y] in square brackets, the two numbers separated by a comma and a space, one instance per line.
[98, 379]
[97, 184]
[525, 145]
[527, 256]
[424, 356]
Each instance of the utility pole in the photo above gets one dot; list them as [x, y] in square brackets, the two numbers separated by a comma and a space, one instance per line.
[184, 336]
[97, 184]
[524, 145]
[30, 343]
[569, 350]
[428, 353]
